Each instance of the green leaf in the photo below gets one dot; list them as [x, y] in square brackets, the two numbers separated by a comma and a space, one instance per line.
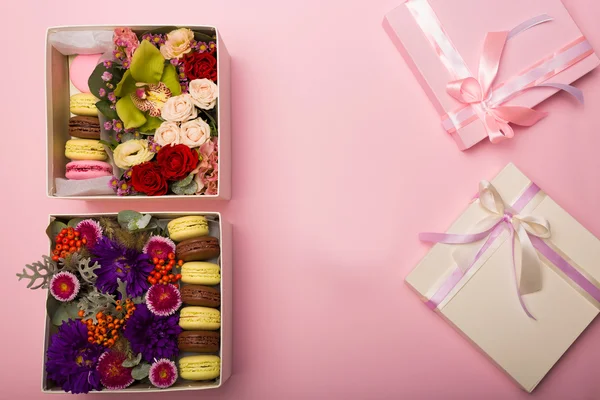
[147, 63]
[54, 229]
[125, 85]
[150, 126]
[162, 30]
[126, 216]
[64, 312]
[104, 107]
[186, 186]
[171, 79]
[95, 81]
[203, 37]
[141, 371]
[112, 144]
[132, 362]
[131, 116]
[73, 222]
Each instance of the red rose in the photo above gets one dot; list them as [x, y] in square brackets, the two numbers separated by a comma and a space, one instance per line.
[147, 178]
[176, 162]
[200, 65]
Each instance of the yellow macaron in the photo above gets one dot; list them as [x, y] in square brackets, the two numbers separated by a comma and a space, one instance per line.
[199, 318]
[201, 273]
[200, 368]
[187, 227]
[84, 104]
[85, 149]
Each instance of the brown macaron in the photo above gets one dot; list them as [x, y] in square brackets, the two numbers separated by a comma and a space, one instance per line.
[199, 295]
[84, 127]
[199, 341]
[198, 249]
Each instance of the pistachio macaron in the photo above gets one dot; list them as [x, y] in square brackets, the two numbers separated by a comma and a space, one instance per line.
[201, 273]
[200, 368]
[187, 227]
[85, 149]
[84, 104]
[194, 318]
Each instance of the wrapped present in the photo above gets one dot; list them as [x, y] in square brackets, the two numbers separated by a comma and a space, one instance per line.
[515, 274]
[485, 64]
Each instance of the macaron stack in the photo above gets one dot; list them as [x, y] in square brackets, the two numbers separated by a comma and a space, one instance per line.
[200, 292]
[85, 150]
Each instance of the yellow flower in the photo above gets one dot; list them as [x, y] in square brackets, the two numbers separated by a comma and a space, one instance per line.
[132, 152]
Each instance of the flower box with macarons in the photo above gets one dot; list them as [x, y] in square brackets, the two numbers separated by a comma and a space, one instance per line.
[137, 112]
[128, 309]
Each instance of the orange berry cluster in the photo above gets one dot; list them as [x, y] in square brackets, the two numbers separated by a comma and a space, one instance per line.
[106, 330]
[67, 242]
[163, 271]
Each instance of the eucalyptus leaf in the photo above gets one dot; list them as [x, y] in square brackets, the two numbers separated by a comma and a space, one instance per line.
[126, 216]
[74, 221]
[64, 312]
[104, 107]
[141, 371]
[54, 229]
[186, 186]
[130, 363]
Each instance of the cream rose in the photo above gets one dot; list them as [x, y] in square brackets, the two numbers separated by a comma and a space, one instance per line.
[194, 133]
[167, 133]
[204, 93]
[132, 152]
[178, 43]
[179, 109]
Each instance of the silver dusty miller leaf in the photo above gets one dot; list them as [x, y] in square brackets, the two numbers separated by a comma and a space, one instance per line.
[94, 302]
[82, 265]
[39, 271]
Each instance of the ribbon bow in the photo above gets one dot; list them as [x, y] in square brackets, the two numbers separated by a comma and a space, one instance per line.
[476, 92]
[527, 270]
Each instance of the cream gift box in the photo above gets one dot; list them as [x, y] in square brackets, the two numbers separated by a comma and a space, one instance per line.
[442, 41]
[59, 89]
[483, 302]
[217, 228]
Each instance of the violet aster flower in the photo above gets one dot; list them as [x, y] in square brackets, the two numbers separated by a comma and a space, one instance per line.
[114, 183]
[112, 97]
[117, 125]
[118, 262]
[153, 336]
[89, 230]
[71, 359]
[163, 373]
[107, 63]
[106, 76]
[102, 92]
[113, 375]
[108, 125]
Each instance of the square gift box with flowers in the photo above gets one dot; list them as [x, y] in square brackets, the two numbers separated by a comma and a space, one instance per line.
[136, 302]
[137, 111]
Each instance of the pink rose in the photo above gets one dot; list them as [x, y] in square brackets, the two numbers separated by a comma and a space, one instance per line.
[178, 43]
[179, 109]
[194, 133]
[168, 133]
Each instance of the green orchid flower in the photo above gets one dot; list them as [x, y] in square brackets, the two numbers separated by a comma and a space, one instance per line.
[145, 87]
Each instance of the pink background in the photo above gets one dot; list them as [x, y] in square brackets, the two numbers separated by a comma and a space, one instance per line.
[339, 163]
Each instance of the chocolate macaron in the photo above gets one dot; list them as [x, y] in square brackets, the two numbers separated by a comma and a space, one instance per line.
[199, 341]
[198, 249]
[199, 295]
[84, 127]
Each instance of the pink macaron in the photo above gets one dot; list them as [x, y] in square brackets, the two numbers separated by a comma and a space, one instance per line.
[81, 68]
[87, 169]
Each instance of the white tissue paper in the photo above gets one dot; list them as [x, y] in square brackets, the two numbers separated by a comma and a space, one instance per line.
[81, 42]
[84, 187]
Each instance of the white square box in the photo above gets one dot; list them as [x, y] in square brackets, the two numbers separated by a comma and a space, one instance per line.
[217, 228]
[57, 112]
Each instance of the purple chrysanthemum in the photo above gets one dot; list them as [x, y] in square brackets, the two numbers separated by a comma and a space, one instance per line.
[118, 262]
[89, 230]
[71, 359]
[113, 375]
[64, 286]
[159, 247]
[153, 336]
[163, 373]
[163, 300]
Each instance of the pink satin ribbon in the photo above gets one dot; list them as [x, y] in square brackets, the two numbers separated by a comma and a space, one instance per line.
[476, 92]
[491, 235]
